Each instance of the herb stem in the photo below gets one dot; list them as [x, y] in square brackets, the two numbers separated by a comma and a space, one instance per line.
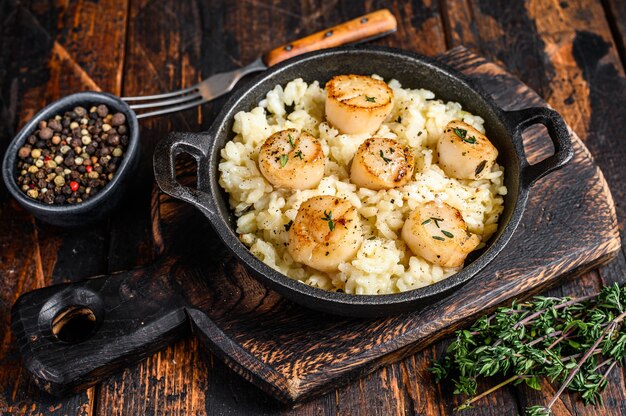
[491, 390]
[588, 354]
[538, 340]
[561, 338]
[603, 363]
[571, 357]
[608, 370]
[559, 306]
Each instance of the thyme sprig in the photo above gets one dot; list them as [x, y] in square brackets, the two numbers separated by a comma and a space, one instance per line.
[573, 342]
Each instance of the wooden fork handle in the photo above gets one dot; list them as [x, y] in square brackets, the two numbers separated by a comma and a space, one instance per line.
[362, 28]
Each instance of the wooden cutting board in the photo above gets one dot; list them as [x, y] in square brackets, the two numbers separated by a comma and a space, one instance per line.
[289, 351]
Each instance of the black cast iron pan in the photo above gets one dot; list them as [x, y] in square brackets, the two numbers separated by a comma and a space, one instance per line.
[413, 71]
[122, 318]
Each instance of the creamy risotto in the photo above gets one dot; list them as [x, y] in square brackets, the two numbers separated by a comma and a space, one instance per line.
[386, 257]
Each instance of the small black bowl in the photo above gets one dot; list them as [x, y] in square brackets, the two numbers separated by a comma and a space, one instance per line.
[97, 207]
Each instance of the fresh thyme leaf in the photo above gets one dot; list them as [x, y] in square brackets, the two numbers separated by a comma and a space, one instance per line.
[370, 99]
[288, 225]
[291, 140]
[328, 216]
[480, 167]
[436, 237]
[470, 140]
[460, 133]
[283, 160]
[447, 233]
[426, 221]
[387, 160]
[435, 220]
[299, 154]
[538, 411]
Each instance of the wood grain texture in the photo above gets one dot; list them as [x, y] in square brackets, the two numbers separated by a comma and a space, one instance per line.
[163, 53]
[41, 60]
[615, 11]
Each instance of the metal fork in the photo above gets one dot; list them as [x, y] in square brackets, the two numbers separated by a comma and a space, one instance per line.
[370, 26]
[207, 90]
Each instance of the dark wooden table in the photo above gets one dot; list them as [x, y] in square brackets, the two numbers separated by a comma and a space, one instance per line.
[571, 52]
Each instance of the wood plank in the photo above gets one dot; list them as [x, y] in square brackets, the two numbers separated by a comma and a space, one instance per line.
[615, 11]
[39, 64]
[461, 27]
[164, 54]
[564, 50]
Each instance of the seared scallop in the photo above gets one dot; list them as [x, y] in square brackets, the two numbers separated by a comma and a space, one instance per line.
[438, 233]
[464, 152]
[382, 163]
[325, 233]
[292, 160]
[357, 103]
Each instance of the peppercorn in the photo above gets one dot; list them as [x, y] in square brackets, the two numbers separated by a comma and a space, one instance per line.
[114, 139]
[70, 157]
[24, 152]
[55, 125]
[48, 198]
[80, 111]
[118, 119]
[69, 161]
[46, 133]
[102, 110]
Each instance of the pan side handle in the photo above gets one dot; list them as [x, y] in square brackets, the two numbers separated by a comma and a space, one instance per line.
[195, 145]
[558, 133]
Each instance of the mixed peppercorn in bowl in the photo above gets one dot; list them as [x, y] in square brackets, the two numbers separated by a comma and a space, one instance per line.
[67, 165]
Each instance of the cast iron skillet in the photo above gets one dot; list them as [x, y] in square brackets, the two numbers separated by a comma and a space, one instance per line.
[414, 71]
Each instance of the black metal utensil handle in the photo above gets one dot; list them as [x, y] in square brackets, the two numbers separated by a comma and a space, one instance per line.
[73, 335]
[558, 132]
[195, 145]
